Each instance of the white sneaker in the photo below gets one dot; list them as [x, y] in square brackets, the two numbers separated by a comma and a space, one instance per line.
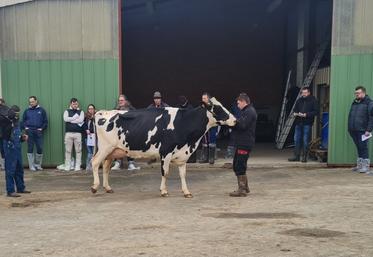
[116, 166]
[131, 166]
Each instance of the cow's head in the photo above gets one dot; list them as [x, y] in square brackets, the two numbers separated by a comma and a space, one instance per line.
[219, 115]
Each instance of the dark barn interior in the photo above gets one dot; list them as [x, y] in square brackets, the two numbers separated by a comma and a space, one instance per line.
[186, 47]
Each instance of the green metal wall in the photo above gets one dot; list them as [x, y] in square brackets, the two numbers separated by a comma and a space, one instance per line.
[351, 65]
[56, 50]
[55, 83]
[348, 71]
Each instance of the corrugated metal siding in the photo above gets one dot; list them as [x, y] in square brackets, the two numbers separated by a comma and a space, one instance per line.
[348, 71]
[57, 50]
[352, 65]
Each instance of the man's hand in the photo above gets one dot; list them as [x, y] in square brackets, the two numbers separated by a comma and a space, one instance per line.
[88, 132]
[367, 133]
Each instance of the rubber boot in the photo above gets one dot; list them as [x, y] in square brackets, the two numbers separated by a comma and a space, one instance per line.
[242, 190]
[305, 155]
[30, 158]
[204, 154]
[38, 161]
[247, 185]
[366, 166]
[359, 165]
[193, 158]
[296, 157]
[230, 152]
[212, 153]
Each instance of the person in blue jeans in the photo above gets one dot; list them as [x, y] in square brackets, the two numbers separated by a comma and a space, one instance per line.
[12, 138]
[305, 110]
[89, 128]
[360, 122]
[35, 122]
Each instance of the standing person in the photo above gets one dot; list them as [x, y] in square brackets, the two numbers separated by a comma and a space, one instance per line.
[305, 110]
[244, 140]
[125, 105]
[184, 104]
[90, 133]
[360, 122]
[3, 112]
[12, 138]
[157, 101]
[34, 121]
[74, 121]
[209, 139]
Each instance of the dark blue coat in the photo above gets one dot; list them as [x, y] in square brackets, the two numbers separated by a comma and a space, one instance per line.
[35, 118]
[360, 117]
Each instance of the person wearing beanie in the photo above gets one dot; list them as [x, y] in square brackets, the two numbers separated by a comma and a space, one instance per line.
[157, 101]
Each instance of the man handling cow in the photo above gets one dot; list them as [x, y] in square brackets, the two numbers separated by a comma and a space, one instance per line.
[244, 139]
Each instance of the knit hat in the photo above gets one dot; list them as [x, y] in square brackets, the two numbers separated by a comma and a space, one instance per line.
[157, 94]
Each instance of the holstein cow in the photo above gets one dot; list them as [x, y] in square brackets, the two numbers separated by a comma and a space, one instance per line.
[169, 134]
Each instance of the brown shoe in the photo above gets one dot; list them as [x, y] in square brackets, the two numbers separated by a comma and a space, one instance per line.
[243, 189]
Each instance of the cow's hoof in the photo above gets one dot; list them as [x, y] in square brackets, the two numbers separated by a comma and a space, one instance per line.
[188, 195]
[109, 191]
[93, 190]
[165, 195]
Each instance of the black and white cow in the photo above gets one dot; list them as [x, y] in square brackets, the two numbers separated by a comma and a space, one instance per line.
[169, 134]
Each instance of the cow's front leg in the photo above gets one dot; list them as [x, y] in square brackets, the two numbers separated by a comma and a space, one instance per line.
[184, 187]
[105, 175]
[165, 167]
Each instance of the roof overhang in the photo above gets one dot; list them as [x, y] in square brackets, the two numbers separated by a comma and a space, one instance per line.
[12, 2]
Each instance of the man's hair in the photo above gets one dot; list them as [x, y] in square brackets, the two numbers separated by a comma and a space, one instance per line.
[306, 88]
[243, 97]
[33, 97]
[207, 94]
[73, 100]
[124, 96]
[361, 88]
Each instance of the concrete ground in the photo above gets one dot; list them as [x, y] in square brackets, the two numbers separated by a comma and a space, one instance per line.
[291, 211]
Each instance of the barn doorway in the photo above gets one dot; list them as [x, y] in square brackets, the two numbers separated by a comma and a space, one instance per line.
[186, 47]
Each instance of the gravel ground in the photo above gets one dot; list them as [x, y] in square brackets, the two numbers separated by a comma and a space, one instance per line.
[290, 212]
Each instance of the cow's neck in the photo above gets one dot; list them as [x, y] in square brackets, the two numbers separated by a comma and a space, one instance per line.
[200, 120]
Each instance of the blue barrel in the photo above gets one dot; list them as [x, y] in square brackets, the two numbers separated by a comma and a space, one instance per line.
[325, 130]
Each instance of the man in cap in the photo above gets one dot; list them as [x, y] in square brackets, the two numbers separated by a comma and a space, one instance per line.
[157, 101]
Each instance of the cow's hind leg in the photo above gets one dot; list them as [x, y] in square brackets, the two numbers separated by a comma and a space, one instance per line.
[165, 166]
[105, 175]
[96, 162]
[184, 187]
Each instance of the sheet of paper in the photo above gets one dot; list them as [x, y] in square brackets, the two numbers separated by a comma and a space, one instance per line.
[91, 139]
[364, 137]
